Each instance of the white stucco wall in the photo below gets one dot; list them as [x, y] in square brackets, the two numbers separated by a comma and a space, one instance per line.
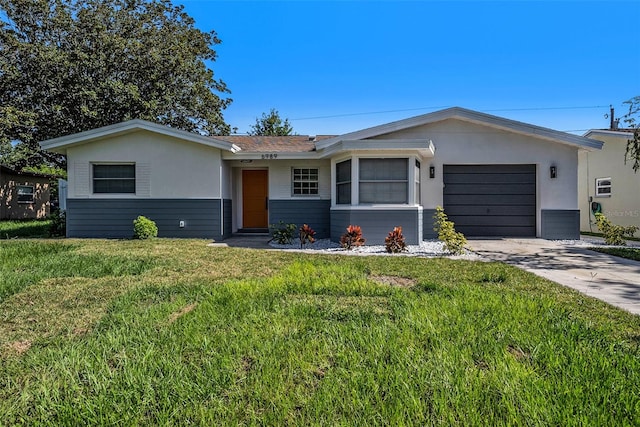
[279, 172]
[166, 167]
[463, 143]
[623, 207]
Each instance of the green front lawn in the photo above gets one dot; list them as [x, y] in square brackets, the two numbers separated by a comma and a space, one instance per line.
[11, 229]
[172, 332]
[629, 253]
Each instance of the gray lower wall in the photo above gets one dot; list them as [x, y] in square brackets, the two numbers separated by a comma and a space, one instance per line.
[560, 224]
[315, 213]
[427, 224]
[227, 218]
[376, 224]
[113, 218]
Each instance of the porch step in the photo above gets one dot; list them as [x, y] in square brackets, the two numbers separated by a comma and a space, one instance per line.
[252, 232]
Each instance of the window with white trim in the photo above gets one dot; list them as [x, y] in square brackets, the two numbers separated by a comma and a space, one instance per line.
[384, 181]
[304, 181]
[25, 193]
[114, 178]
[603, 187]
[343, 183]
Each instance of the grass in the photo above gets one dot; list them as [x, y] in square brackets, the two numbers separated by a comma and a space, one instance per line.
[628, 253]
[174, 332]
[11, 229]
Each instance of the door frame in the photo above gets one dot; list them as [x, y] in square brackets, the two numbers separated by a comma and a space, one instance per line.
[241, 195]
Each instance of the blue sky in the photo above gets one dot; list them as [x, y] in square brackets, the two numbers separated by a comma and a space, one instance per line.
[337, 66]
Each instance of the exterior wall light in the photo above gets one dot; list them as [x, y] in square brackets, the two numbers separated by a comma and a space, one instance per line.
[553, 172]
[432, 172]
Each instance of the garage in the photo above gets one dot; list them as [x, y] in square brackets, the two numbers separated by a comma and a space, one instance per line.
[491, 200]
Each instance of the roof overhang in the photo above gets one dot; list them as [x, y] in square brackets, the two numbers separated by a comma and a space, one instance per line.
[423, 147]
[471, 116]
[61, 144]
[595, 133]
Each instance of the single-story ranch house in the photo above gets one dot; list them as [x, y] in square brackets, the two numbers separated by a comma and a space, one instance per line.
[23, 195]
[493, 176]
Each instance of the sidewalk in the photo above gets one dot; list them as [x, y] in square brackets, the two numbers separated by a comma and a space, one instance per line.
[611, 279]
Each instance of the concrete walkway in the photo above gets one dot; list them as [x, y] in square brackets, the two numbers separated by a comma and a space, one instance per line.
[608, 278]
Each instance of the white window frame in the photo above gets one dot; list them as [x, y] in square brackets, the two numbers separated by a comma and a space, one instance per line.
[305, 178]
[349, 182]
[33, 190]
[93, 178]
[601, 185]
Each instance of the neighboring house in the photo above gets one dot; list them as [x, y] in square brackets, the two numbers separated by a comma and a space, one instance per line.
[23, 195]
[606, 183]
[494, 177]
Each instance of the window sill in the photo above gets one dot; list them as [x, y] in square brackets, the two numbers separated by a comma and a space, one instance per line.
[378, 207]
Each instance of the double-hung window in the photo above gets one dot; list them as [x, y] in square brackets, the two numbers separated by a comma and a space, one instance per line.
[343, 183]
[384, 181]
[603, 187]
[305, 181]
[114, 178]
[25, 193]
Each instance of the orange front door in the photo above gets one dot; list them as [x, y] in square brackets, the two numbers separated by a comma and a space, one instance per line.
[255, 198]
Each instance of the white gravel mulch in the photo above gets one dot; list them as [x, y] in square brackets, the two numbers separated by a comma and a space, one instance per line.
[592, 241]
[426, 248]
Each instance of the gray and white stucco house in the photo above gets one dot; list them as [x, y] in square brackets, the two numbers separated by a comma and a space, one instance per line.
[494, 177]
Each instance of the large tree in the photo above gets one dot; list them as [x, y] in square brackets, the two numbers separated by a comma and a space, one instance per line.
[70, 66]
[271, 125]
[633, 122]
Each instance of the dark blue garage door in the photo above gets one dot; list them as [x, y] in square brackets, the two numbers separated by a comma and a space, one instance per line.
[491, 200]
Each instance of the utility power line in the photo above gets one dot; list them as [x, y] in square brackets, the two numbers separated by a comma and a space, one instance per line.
[364, 113]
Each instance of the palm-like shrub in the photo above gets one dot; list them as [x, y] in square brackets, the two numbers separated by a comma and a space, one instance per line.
[353, 237]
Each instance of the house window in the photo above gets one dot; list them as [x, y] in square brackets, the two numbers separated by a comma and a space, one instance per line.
[305, 182]
[343, 183]
[25, 193]
[120, 178]
[384, 181]
[603, 187]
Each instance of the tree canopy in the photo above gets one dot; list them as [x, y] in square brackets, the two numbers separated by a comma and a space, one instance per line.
[271, 125]
[633, 122]
[70, 66]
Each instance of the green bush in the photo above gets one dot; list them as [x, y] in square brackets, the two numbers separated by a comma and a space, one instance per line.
[453, 240]
[282, 232]
[144, 228]
[395, 241]
[58, 226]
[614, 234]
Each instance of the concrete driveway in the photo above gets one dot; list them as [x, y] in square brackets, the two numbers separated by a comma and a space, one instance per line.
[608, 278]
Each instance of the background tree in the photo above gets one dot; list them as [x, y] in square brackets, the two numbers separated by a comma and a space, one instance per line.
[70, 66]
[271, 125]
[633, 145]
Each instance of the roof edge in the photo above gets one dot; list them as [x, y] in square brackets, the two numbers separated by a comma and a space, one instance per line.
[470, 116]
[61, 143]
